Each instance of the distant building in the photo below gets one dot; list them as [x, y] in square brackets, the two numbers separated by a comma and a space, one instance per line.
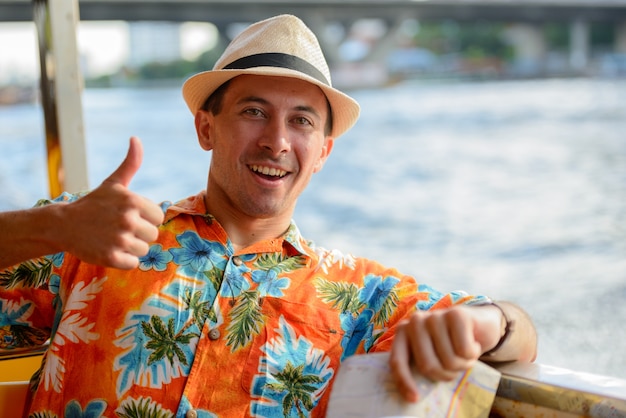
[153, 42]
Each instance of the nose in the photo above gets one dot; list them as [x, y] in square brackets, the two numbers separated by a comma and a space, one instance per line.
[275, 137]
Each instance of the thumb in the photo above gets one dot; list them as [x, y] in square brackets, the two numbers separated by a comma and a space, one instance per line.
[126, 171]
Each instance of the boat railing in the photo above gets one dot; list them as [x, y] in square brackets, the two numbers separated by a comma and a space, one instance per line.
[538, 390]
[525, 390]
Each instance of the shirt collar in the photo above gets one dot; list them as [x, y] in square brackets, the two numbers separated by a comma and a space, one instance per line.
[195, 206]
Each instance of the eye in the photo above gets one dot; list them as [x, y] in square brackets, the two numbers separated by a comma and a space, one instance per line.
[301, 120]
[253, 111]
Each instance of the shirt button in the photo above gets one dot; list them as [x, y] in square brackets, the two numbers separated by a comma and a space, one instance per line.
[191, 414]
[214, 334]
[237, 261]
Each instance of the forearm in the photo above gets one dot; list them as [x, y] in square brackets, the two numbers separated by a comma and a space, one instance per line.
[30, 233]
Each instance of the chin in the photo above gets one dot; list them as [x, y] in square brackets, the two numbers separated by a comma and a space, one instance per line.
[262, 212]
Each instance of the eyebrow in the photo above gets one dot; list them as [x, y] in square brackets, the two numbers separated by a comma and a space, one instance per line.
[257, 99]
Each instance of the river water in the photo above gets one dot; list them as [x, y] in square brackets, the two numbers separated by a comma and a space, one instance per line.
[514, 189]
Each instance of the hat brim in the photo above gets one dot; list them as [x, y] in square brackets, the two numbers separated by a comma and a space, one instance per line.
[199, 87]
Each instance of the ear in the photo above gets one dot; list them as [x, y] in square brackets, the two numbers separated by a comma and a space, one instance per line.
[203, 121]
[329, 141]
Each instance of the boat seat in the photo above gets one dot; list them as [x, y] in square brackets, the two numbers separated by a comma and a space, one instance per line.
[12, 398]
[16, 369]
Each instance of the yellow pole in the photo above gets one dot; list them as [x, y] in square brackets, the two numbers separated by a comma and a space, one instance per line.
[61, 86]
[46, 85]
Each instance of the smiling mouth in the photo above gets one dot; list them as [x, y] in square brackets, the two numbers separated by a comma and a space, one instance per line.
[268, 171]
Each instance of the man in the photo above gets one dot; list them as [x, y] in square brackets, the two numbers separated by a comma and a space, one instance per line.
[231, 312]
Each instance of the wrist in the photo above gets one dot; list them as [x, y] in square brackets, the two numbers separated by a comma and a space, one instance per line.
[52, 227]
[506, 329]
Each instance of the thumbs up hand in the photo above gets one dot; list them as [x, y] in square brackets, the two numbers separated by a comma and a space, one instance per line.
[113, 226]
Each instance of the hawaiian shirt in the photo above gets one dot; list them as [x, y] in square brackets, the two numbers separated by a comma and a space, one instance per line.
[199, 329]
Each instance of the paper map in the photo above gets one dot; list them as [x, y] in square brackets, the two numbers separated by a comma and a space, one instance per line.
[364, 388]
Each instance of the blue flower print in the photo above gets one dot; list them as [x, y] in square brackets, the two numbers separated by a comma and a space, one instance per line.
[269, 282]
[235, 282]
[54, 284]
[376, 291]
[94, 409]
[11, 316]
[197, 255]
[57, 259]
[433, 297]
[165, 205]
[356, 329]
[156, 259]
[63, 197]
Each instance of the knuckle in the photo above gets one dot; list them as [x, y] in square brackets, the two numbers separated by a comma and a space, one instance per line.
[416, 319]
[153, 233]
[452, 364]
[447, 363]
[395, 365]
[142, 249]
[428, 369]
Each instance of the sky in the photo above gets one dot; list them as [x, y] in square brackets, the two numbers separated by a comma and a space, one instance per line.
[104, 45]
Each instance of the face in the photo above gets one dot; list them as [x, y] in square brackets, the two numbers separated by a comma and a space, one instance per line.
[267, 142]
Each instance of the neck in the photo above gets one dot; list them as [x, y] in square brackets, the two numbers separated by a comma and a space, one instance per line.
[244, 230]
[244, 233]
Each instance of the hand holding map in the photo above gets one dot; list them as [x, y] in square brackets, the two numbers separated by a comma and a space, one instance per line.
[364, 388]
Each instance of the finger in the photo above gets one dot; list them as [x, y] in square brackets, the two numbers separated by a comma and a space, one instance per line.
[126, 255]
[464, 341]
[123, 260]
[152, 212]
[422, 343]
[449, 338]
[147, 232]
[138, 248]
[126, 171]
[399, 362]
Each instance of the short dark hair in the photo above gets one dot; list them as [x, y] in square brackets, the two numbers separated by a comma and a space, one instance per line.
[213, 104]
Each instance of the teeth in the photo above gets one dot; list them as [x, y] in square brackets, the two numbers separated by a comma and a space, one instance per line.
[268, 171]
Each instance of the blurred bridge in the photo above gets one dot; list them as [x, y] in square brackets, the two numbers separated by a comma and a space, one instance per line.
[222, 12]
[314, 12]
[525, 19]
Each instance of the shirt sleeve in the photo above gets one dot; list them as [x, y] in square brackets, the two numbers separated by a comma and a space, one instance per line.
[400, 296]
[27, 294]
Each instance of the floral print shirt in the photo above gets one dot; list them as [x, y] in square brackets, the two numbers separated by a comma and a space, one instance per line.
[199, 329]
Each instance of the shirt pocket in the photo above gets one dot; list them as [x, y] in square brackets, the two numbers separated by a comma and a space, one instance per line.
[297, 339]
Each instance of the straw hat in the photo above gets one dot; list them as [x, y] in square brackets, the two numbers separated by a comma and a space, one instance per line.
[279, 46]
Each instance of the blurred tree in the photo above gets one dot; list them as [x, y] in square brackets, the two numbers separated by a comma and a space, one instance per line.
[475, 39]
[602, 35]
[557, 35]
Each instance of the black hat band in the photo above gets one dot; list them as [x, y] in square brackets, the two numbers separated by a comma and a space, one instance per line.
[277, 59]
